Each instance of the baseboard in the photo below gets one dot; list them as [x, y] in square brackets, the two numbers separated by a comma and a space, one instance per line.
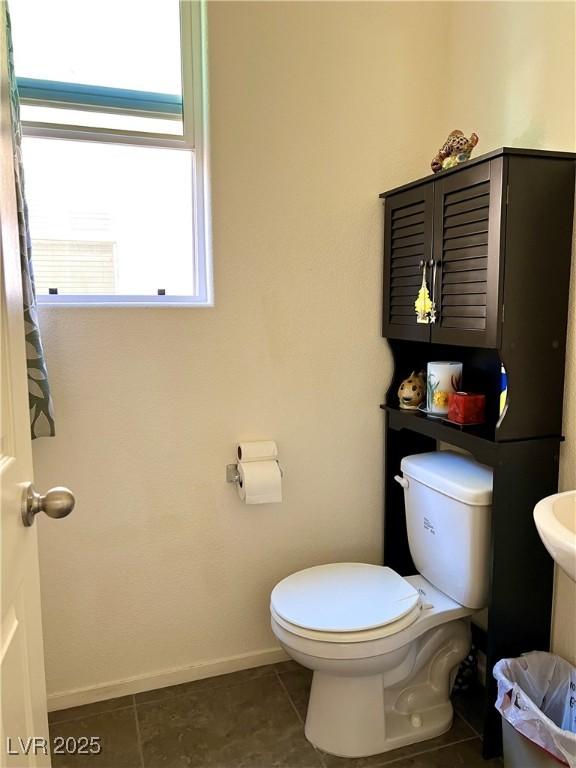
[148, 682]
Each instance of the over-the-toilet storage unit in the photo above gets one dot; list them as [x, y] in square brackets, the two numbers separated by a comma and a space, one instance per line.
[494, 237]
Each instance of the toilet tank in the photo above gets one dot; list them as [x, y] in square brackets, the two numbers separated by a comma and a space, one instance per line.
[448, 500]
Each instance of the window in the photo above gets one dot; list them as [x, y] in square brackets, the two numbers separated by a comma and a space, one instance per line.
[115, 149]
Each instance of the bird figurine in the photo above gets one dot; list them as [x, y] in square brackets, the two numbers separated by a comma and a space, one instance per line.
[455, 150]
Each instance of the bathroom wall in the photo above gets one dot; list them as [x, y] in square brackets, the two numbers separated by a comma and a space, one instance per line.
[513, 81]
[161, 574]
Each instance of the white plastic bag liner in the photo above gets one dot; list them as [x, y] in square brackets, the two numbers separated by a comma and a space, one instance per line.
[537, 696]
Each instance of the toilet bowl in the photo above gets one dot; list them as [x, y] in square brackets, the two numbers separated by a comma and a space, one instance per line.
[384, 649]
[382, 687]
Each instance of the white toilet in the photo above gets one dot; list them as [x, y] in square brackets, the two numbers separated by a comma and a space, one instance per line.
[385, 649]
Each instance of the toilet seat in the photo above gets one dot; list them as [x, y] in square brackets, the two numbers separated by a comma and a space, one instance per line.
[345, 603]
[363, 636]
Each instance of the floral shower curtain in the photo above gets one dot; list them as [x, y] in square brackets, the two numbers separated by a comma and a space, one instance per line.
[40, 400]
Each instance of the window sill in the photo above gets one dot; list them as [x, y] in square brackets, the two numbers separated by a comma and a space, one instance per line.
[126, 302]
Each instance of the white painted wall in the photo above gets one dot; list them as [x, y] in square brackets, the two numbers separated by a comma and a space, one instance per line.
[513, 81]
[316, 108]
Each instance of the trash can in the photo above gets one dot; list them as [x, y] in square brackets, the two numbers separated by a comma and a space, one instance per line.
[537, 701]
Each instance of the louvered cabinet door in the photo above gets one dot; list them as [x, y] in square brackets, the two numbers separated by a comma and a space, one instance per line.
[407, 246]
[467, 256]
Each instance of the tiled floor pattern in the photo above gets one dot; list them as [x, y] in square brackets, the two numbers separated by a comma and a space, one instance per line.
[250, 719]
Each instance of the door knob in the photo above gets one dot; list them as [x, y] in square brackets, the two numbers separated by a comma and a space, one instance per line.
[58, 502]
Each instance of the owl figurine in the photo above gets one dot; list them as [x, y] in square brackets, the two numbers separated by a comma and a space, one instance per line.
[455, 150]
[412, 391]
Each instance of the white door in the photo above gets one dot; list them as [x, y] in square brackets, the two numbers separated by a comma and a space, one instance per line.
[24, 725]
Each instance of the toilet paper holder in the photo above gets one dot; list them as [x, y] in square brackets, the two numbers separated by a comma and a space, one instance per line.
[233, 476]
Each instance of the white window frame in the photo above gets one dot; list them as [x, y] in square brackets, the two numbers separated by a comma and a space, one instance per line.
[193, 37]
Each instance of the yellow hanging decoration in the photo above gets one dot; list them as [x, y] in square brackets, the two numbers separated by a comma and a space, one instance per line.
[424, 306]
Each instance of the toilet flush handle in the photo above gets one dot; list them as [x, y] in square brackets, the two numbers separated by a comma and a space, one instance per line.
[401, 481]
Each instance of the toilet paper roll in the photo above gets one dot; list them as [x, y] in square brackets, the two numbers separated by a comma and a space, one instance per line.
[259, 450]
[260, 482]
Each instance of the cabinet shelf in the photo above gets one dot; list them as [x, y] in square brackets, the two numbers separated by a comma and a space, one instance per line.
[478, 440]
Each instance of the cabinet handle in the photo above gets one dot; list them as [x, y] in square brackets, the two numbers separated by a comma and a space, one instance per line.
[433, 264]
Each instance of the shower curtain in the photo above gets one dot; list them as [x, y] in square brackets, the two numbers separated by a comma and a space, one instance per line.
[40, 400]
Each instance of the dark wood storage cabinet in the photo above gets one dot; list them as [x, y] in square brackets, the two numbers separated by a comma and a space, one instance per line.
[468, 246]
[408, 236]
[494, 238]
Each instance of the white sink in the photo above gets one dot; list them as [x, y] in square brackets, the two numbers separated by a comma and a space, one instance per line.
[555, 519]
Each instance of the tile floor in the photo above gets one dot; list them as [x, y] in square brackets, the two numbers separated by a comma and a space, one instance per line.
[249, 719]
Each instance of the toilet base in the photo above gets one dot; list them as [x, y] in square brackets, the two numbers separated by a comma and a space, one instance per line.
[365, 714]
[335, 723]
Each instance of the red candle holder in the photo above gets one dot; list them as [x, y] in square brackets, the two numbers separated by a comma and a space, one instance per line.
[466, 408]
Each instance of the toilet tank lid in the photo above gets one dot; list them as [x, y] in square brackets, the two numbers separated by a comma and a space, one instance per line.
[457, 476]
